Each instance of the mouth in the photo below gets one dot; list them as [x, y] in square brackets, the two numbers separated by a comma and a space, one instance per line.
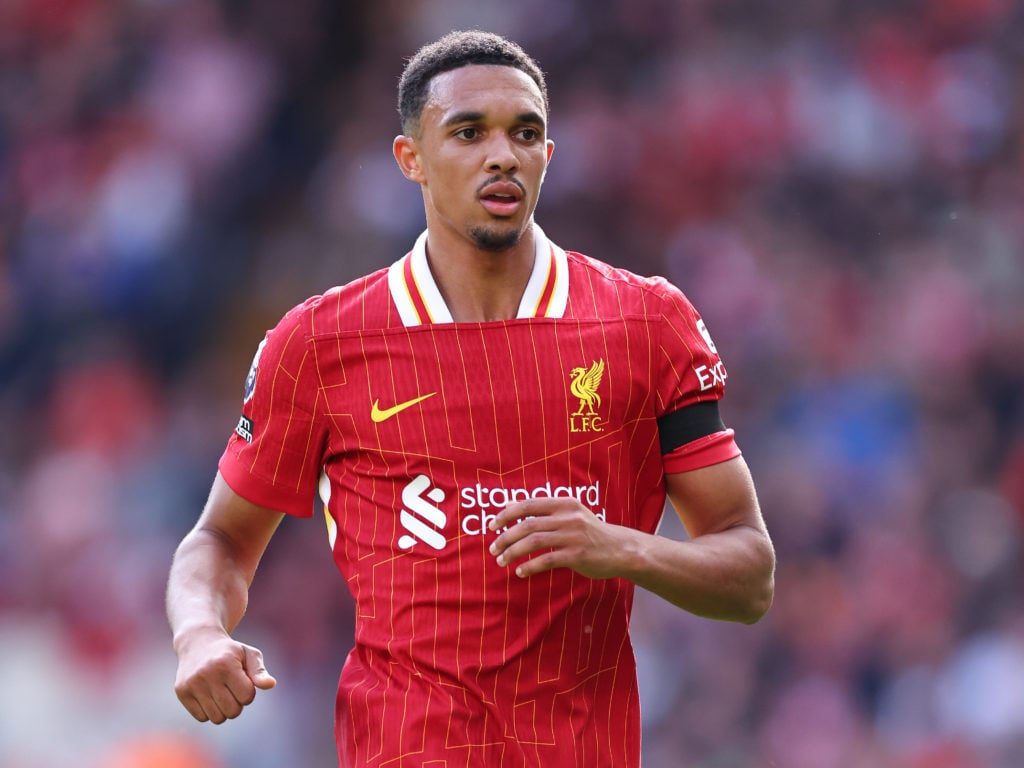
[501, 199]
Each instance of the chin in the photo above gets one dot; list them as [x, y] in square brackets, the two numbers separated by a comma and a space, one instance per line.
[494, 239]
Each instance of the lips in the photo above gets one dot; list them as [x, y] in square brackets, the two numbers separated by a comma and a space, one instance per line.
[501, 198]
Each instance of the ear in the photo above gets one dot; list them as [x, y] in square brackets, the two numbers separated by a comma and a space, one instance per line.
[549, 148]
[407, 157]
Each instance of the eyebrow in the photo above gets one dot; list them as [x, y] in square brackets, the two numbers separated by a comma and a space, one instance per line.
[529, 118]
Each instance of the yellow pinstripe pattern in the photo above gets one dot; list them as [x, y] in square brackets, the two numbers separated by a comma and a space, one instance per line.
[462, 661]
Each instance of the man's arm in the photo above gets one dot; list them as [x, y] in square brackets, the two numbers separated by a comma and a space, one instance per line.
[727, 568]
[207, 593]
[724, 571]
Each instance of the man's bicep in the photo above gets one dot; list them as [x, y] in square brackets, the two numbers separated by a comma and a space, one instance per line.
[715, 498]
[244, 527]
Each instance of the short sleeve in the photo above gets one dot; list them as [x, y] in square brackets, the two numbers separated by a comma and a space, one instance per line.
[690, 384]
[273, 458]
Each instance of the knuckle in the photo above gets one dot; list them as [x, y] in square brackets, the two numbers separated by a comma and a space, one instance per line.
[218, 667]
[528, 525]
[579, 516]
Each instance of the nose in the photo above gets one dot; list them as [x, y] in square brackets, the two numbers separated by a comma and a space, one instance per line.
[501, 155]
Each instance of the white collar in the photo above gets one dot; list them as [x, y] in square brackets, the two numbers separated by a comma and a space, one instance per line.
[419, 300]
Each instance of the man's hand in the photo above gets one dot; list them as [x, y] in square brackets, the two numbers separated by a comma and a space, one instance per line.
[217, 676]
[561, 533]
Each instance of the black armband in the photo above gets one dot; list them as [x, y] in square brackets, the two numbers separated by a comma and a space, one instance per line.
[689, 423]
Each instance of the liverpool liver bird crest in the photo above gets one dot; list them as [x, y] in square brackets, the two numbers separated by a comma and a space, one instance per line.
[584, 386]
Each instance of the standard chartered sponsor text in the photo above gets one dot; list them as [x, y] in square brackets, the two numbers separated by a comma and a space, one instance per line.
[484, 503]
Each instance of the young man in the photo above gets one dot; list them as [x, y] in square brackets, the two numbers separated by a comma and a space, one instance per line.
[492, 424]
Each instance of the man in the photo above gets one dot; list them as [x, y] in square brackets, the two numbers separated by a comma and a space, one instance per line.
[493, 424]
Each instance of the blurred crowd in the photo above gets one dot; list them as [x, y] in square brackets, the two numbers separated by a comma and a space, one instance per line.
[838, 185]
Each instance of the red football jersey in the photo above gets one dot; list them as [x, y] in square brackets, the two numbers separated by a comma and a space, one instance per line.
[416, 430]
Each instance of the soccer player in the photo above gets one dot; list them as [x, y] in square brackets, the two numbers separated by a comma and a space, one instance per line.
[492, 424]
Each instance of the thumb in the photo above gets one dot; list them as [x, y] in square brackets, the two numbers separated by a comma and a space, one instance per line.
[256, 670]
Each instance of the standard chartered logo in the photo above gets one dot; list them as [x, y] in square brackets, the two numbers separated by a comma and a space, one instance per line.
[424, 520]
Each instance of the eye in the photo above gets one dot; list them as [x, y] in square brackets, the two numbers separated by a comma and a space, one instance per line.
[468, 133]
[528, 134]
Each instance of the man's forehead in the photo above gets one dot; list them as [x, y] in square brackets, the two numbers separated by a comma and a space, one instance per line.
[478, 85]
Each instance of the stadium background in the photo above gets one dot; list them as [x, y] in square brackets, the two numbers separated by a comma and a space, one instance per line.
[837, 185]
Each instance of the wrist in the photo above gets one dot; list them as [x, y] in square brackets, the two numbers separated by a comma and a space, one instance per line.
[187, 634]
[632, 555]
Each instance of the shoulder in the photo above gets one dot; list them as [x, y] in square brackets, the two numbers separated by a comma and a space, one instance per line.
[354, 306]
[631, 293]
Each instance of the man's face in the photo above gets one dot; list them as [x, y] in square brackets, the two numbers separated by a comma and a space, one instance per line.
[480, 153]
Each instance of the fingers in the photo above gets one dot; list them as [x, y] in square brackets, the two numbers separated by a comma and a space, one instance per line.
[522, 511]
[209, 703]
[522, 539]
[549, 524]
[230, 698]
[215, 701]
[546, 561]
[193, 706]
[221, 686]
[256, 669]
[543, 534]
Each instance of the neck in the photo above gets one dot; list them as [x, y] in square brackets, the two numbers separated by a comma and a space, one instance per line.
[480, 285]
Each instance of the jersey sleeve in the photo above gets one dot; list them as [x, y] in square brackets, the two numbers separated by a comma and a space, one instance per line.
[273, 458]
[691, 382]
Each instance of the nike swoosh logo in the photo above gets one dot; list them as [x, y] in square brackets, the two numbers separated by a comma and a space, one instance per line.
[379, 414]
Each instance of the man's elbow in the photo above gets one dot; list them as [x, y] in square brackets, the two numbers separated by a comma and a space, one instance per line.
[762, 589]
[759, 603]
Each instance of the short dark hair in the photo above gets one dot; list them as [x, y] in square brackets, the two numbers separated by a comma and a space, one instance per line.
[454, 50]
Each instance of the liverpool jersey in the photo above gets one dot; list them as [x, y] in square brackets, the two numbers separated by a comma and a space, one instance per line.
[415, 431]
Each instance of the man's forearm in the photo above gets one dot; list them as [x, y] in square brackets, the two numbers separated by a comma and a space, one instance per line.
[207, 586]
[726, 575]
